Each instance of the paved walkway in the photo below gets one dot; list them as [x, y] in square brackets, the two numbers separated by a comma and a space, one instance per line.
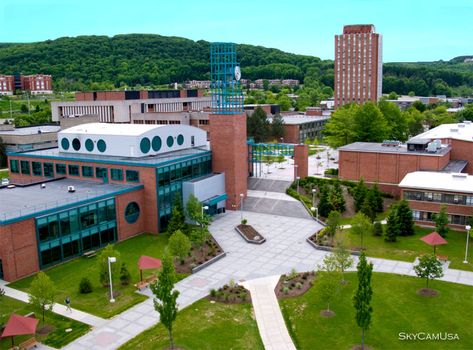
[268, 314]
[58, 308]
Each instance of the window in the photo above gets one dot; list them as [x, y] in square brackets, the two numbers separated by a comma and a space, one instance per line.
[145, 145]
[14, 166]
[101, 173]
[132, 212]
[73, 170]
[180, 139]
[76, 144]
[132, 176]
[25, 167]
[89, 145]
[156, 143]
[101, 145]
[37, 169]
[170, 141]
[48, 169]
[87, 171]
[116, 174]
[469, 200]
[60, 169]
[65, 144]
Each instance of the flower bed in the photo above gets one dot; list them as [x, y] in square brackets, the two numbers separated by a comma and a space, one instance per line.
[249, 234]
[230, 293]
[320, 243]
[294, 284]
[210, 252]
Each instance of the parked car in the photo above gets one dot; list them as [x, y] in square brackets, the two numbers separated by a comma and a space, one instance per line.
[5, 182]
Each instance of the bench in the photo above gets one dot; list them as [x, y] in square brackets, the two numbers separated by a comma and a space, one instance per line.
[90, 254]
[151, 278]
[31, 315]
[28, 344]
[141, 285]
[442, 258]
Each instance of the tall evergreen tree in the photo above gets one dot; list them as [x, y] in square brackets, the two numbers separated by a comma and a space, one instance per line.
[359, 193]
[362, 297]
[441, 222]
[367, 207]
[325, 207]
[165, 301]
[277, 127]
[336, 197]
[177, 220]
[406, 222]
[378, 201]
[258, 125]
[392, 227]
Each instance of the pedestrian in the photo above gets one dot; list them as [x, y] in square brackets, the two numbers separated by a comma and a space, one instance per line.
[68, 304]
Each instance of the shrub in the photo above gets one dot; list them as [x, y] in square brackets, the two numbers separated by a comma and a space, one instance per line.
[2, 292]
[125, 276]
[244, 222]
[213, 293]
[180, 245]
[293, 273]
[298, 285]
[85, 286]
[285, 290]
[231, 283]
[378, 229]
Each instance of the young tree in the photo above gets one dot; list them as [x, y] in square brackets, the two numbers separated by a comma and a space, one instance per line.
[359, 194]
[179, 245]
[277, 127]
[280, 159]
[42, 293]
[378, 229]
[325, 207]
[102, 260]
[125, 276]
[268, 160]
[441, 222]
[165, 301]
[368, 206]
[343, 259]
[360, 226]
[392, 226]
[177, 220]
[362, 297]
[328, 281]
[404, 215]
[429, 268]
[195, 212]
[333, 224]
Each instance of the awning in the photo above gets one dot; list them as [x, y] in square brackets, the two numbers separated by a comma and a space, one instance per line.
[20, 325]
[215, 199]
[147, 262]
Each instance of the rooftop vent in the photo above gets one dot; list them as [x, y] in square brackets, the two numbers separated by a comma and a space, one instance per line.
[71, 189]
[453, 130]
[391, 143]
[431, 147]
[43, 185]
[459, 175]
[461, 125]
[467, 122]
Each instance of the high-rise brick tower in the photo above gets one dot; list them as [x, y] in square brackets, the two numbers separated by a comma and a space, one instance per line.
[358, 65]
[227, 122]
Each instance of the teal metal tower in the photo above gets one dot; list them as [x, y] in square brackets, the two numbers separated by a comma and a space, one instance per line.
[225, 77]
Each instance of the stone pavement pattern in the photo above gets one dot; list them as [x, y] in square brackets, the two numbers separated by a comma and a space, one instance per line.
[268, 314]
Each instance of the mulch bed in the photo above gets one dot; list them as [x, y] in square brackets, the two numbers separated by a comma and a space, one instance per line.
[198, 256]
[358, 347]
[230, 294]
[250, 233]
[327, 313]
[294, 284]
[46, 329]
[427, 292]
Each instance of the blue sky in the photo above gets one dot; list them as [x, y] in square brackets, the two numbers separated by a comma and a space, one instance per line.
[413, 30]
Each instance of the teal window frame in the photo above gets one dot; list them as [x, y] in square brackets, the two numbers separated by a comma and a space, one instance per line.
[116, 174]
[61, 169]
[132, 212]
[48, 169]
[87, 171]
[132, 176]
[73, 170]
[37, 168]
[14, 166]
[100, 172]
[25, 167]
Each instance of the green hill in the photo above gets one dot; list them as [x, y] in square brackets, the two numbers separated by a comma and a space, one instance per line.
[149, 59]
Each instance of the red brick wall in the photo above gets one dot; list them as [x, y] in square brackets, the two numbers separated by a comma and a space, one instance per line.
[18, 249]
[463, 150]
[126, 230]
[301, 159]
[291, 134]
[230, 152]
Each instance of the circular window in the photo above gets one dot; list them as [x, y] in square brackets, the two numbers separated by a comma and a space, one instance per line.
[76, 144]
[132, 212]
[65, 144]
[180, 140]
[101, 146]
[170, 141]
[89, 145]
[156, 143]
[145, 145]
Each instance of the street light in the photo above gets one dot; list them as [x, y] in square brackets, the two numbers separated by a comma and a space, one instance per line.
[313, 196]
[298, 178]
[204, 207]
[468, 228]
[316, 212]
[241, 206]
[295, 168]
[111, 259]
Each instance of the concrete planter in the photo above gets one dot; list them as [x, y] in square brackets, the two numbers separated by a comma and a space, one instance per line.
[209, 262]
[260, 241]
[329, 249]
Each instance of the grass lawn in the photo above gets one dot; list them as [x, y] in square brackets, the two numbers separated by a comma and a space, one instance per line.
[68, 275]
[203, 325]
[57, 338]
[4, 174]
[396, 308]
[409, 247]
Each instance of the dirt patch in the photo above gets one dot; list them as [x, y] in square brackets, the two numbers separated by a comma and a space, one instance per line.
[46, 329]
[327, 313]
[427, 292]
[198, 256]
[230, 294]
[294, 284]
[359, 347]
[250, 233]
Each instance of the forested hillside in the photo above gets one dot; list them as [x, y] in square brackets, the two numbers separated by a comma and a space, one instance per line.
[147, 59]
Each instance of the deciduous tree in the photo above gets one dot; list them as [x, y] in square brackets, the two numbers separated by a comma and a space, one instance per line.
[42, 293]
[429, 268]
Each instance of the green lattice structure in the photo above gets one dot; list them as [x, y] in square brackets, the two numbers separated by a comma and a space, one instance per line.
[225, 79]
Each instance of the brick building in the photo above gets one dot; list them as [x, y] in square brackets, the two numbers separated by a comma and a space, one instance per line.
[358, 65]
[7, 85]
[104, 183]
[37, 84]
[298, 128]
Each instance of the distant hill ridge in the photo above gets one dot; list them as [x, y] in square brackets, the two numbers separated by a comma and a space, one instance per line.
[151, 59]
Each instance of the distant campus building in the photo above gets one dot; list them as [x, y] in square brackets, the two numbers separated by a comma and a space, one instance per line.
[431, 169]
[36, 84]
[358, 65]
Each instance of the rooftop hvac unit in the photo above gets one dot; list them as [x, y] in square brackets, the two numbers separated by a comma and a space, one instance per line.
[437, 143]
[467, 122]
[71, 189]
[461, 125]
[431, 147]
[459, 175]
[453, 130]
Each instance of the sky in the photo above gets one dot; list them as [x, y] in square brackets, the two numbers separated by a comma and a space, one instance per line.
[413, 30]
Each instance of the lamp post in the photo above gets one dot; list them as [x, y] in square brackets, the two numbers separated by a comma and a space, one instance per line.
[313, 196]
[295, 169]
[111, 259]
[316, 212]
[297, 179]
[241, 206]
[468, 228]
[204, 207]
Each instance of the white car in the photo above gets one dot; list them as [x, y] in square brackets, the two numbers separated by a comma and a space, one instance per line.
[5, 182]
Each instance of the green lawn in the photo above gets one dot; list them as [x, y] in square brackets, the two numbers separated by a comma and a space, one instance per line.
[409, 247]
[203, 325]
[396, 308]
[57, 338]
[68, 275]
[4, 174]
